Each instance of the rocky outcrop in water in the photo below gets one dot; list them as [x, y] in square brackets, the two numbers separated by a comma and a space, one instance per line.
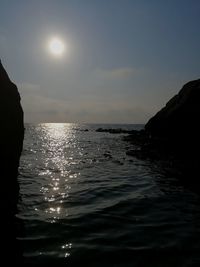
[116, 131]
[173, 134]
[11, 142]
[177, 123]
[11, 136]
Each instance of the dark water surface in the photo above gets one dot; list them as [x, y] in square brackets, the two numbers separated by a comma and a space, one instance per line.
[84, 202]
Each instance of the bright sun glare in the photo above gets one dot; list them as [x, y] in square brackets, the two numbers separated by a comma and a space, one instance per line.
[56, 47]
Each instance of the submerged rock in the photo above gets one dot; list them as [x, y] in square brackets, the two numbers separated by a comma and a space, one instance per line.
[115, 131]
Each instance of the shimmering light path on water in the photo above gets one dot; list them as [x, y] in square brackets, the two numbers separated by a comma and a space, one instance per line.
[84, 202]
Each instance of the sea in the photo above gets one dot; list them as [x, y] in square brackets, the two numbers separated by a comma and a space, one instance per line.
[84, 202]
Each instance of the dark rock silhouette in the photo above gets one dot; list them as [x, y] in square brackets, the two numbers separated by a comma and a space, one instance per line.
[11, 134]
[116, 131]
[11, 142]
[173, 134]
[177, 123]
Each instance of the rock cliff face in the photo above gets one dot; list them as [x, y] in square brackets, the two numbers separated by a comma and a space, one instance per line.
[11, 142]
[177, 123]
[11, 138]
[172, 137]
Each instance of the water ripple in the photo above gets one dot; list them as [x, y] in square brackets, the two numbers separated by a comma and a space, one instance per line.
[85, 202]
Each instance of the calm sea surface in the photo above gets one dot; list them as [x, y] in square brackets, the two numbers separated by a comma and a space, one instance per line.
[84, 202]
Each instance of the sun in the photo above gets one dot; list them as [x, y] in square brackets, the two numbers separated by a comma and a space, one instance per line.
[56, 47]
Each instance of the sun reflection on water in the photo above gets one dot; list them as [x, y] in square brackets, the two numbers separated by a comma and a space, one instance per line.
[58, 174]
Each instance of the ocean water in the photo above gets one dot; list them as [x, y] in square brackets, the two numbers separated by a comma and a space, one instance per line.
[84, 202]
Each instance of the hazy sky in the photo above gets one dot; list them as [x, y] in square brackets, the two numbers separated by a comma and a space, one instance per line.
[123, 58]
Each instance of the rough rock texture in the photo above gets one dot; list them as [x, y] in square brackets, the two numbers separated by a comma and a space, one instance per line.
[177, 123]
[11, 142]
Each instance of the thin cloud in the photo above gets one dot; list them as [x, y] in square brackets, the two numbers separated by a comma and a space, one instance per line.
[2, 39]
[24, 86]
[118, 73]
[41, 108]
